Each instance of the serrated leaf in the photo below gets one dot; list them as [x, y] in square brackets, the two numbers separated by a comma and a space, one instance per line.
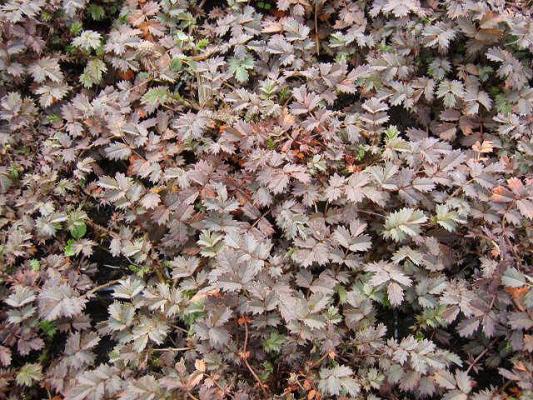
[273, 343]
[403, 223]
[513, 278]
[22, 296]
[78, 230]
[118, 151]
[88, 40]
[98, 384]
[30, 373]
[353, 239]
[93, 72]
[5, 356]
[128, 288]
[239, 67]
[464, 383]
[395, 293]
[447, 218]
[338, 380]
[61, 300]
[157, 96]
[46, 68]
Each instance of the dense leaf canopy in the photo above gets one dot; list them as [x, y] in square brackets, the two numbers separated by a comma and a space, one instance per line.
[293, 199]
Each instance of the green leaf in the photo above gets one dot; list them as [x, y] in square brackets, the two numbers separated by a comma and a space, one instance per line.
[392, 132]
[93, 72]
[211, 243]
[176, 64]
[78, 230]
[202, 44]
[157, 96]
[267, 370]
[139, 270]
[240, 66]
[69, 248]
[343, 294]
[76, 28]
[48, 327]
[30, 373]
[35, 264]
[186, 19]
[192, 313]
[502, 104]
[76, 224]
[54, 118]
[273, 343]
[14, 171]
[96, 12]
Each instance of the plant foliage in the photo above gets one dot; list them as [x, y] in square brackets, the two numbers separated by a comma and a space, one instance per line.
[291, 199]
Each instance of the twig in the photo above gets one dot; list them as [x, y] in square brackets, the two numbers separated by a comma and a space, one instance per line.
[156, 269]
[371, 213]
[173, 349]
[477, 359]
[261, 384]
[104, 286]
[504, 387]
[456, 191]
[112, 266]
[317, 40]
[180, 328]
[146, 81]
[100, 228]
[480, 356]
[245, 345]
[185, 103]
[260, 218]
[244, 356]
[220, 387]
[317, 362]
[205, 55]
[159, 272]
[492, 302]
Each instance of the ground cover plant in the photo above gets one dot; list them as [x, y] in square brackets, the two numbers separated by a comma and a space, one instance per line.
[301, 199]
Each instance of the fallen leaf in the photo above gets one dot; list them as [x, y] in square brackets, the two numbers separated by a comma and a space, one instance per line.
[485, 147]
[518, 296]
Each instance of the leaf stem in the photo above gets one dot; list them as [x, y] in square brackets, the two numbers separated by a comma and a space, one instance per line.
[103, 286]
[480, 356]
[173, 349]
[244, 356]
[317, 39]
